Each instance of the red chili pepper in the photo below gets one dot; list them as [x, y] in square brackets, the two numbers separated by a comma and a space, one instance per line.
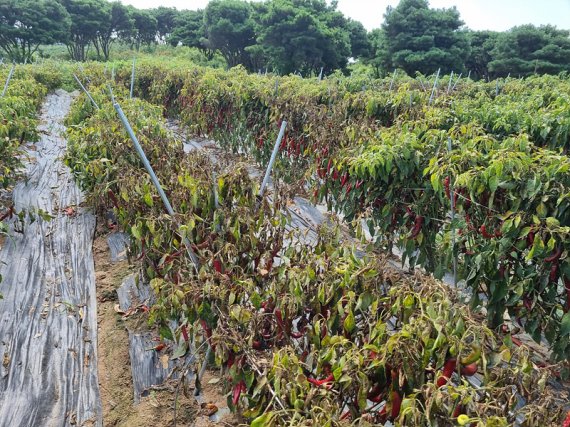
[448, 369]
[324, 382]
[335, 174]
[555, 255]
[530, 239]
[171, 257]
[457, 411]
[485, 233]
[159, 347]
[206, 328]
[218, 265]
[446, 185]
[418, 223]
[502, 269]
[238, 389]
[324, 331]
[553, 277]
[113, 198]
[566, 422]
[297, 335]
[345, 416]
[267, 306]
[231, 359]
[469, 370]
[343, 179]
[396, 400]
[527, 302]
[279, 318]
[374, 392]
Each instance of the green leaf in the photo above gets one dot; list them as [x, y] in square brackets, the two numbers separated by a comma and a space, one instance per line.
[148, 199]
[349, 322]
[493, 183]
[537, 248]
[136, 232]
[565, 325]
[435, 182]
[541, 210]
[262, 420]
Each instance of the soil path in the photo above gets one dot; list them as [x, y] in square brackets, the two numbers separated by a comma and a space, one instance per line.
[48, 324]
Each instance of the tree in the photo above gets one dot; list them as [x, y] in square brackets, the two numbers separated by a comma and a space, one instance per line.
[189, 31]
[482, 44]
[229, 29]
[118, 24]
[145, 27]
[527, 50]
[378, 58]
[360, 45]
[26, 24]
[166, 18]
[303, 36]
[87, 18]
[422, 39]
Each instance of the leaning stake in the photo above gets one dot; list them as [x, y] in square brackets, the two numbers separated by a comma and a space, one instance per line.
[8, 80]
[452, 200]
[450, 81]
[434, 87]
[154, 179]
[393, 78]
[273, 156]
[86, 92]
[457, 81]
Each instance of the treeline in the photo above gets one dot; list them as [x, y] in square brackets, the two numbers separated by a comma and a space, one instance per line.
[288, 36]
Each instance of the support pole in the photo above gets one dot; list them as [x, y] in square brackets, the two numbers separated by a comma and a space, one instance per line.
[450, 81]
[452, 199]
[457, 81]
[393, 78]
[154, 179]
[434, 87]
[86, 91]
[10, 74]
[273, 157]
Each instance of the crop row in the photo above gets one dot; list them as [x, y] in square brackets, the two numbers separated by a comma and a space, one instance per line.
[18, 122]
[384, 157]
[322, 336]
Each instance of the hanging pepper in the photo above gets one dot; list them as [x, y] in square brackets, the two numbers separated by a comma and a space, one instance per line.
[418, 223]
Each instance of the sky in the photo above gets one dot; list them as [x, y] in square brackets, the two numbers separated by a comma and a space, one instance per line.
[497, 15]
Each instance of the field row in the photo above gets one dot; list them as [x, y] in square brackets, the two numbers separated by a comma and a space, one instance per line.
[321, 337]
[396, 161]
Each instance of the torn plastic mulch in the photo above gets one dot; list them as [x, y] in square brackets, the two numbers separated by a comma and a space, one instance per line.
[48, 323]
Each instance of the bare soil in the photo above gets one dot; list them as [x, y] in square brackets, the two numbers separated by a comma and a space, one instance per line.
[117, 395]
